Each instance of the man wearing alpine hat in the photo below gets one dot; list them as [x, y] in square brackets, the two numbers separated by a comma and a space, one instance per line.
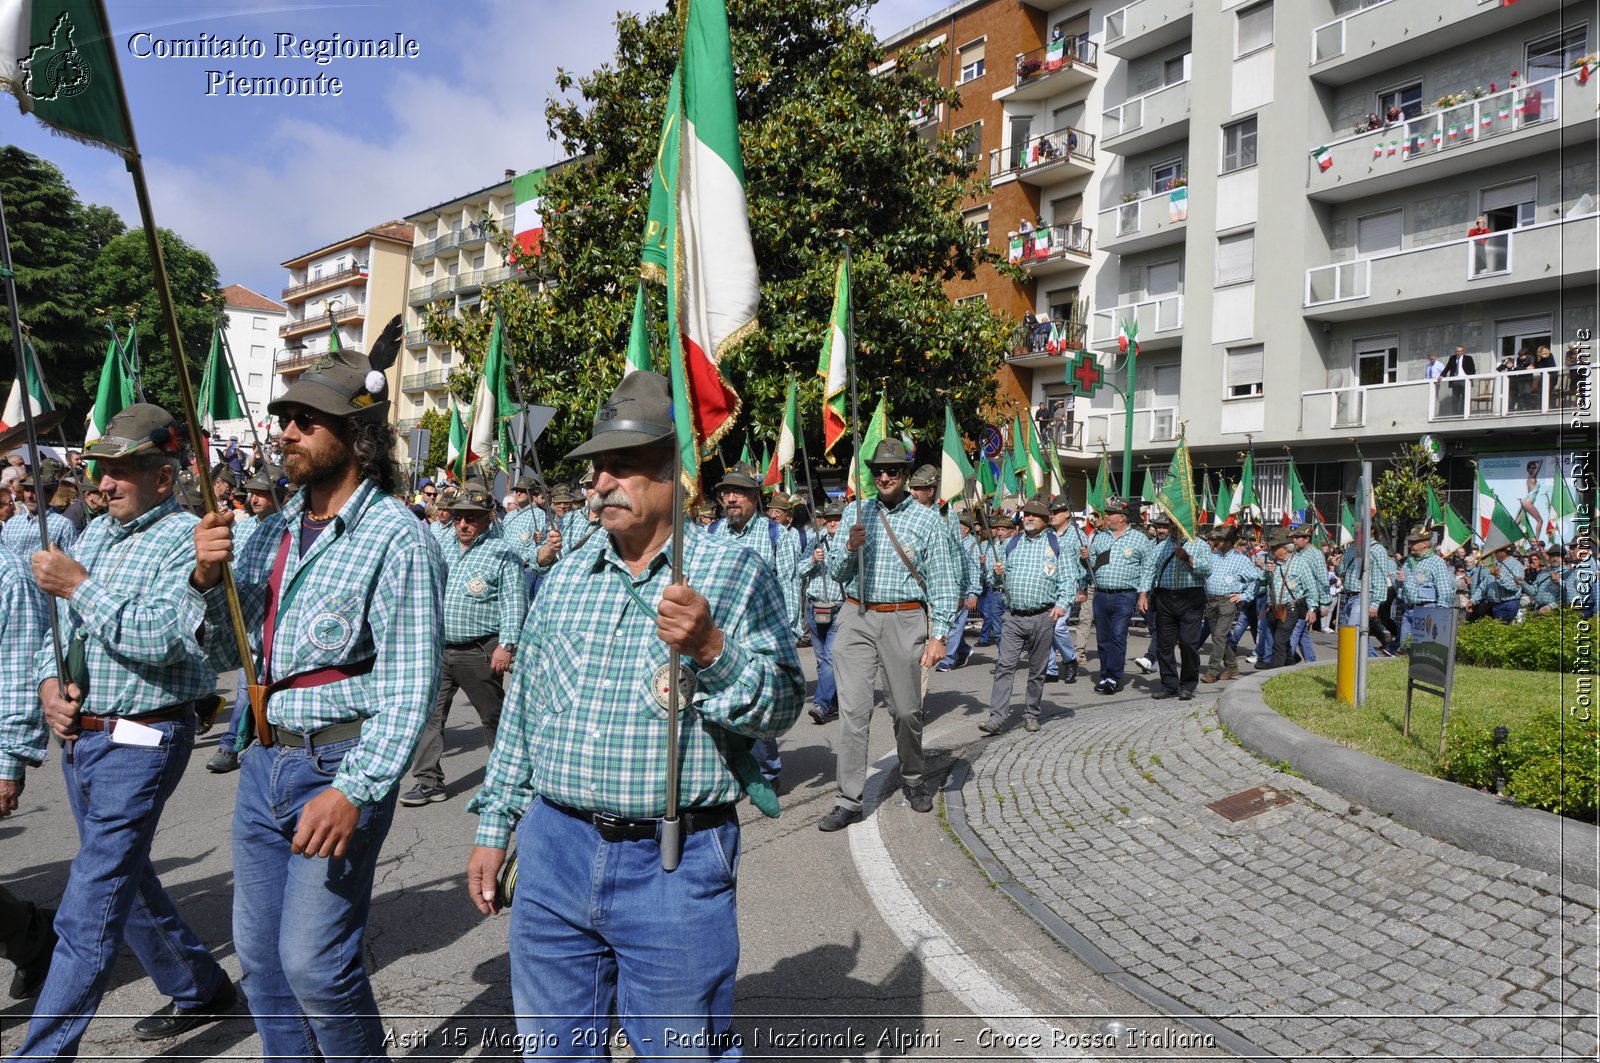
[580, 769]
[1121, 565]
[21, 532]
[342, 597]
[1040, 581]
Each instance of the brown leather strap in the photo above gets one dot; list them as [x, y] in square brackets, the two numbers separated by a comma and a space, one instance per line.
[888, 607]
[87, 722]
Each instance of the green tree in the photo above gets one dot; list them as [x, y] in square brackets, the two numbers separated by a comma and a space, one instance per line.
[121, 280]
[827, 147]
[1401, 492]
[437, 423]
[54, 242]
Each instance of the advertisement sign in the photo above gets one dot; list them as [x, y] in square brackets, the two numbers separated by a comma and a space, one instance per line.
[1432, 665]
[1526, 485]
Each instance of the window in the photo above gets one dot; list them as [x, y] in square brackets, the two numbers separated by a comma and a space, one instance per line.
[1407, 97]
[255, 380]
[1164, 278]
[1162, 174]
[979, 221]
[1021, 131]
[1377, 360]
[1064, 306]
[970, 58]
[257, 352]
[1509, 206]
[981, 297]
[1377, 234]
[1513, 334]
[1551, 55]
[1244, 371]
[259, 324]
[969, 141]
[477, 262]
[1236, 258]
[1175, 69]
[1255, 28]
[1239, 145]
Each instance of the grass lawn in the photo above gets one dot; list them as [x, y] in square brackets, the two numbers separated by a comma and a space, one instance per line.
[1483, 697]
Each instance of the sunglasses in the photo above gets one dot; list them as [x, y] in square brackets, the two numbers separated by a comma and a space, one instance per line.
[430, 494]
[303, 421]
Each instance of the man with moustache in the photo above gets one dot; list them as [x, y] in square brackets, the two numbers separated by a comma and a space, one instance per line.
[342, 596]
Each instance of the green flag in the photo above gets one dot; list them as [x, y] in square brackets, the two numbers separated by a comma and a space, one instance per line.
[456, 451]
[788, 440]
[57, 60]
[954, 469]
[1503, 531]
[1244, 499]
[1347, 525]
[639, 337]
[1225, 511]
[877, 431]
[1561, 505]
[833, 366]
[745, 457]
[988, 484]
[218, 399]
[334, 346]
[1102, 483]
[1435, 510]
[489, 439]
[1147, 490]
[112, 396]
[1207, 502]
[1176, 496]
[1035, 461]
[1298, 503]
[29, 381]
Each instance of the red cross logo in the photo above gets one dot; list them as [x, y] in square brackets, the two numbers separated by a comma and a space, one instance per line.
[1086, 374]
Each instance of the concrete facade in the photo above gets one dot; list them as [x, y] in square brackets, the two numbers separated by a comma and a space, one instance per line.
[252, 331]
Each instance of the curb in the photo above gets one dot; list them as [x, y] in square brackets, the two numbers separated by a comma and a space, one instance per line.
[1466, 818]
[955, 812]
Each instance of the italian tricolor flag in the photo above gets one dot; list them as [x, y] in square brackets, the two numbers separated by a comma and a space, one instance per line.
[1128, 336]
[38, 394]
[455, 455]
[1324, 159]
[787, 435]
[1486, 504]
[833, 367]
[492, 406]
[527, 227]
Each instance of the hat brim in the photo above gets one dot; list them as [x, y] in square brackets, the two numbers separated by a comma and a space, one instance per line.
[618, 439]
[313, 395]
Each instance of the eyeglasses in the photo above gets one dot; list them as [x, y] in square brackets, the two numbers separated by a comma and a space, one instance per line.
[891, 472]
[304, 420]
[430, 494]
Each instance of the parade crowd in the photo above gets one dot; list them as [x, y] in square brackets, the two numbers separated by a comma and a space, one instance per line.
[367, 605]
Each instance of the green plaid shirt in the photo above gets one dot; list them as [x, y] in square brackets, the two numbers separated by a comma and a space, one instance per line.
[1035, 577]
[1128, 562]
[524, 532]
[485, 591]
[1313, 565]
[23, 735]
[584, 723]
[1505, 580]
[783, 556]
[1172, 574]
[21, 532]
[814, 579]
[134, 615]
[370, 586]
[1232, 573]
[1379, 563]
[926, 539]
[1428, 581]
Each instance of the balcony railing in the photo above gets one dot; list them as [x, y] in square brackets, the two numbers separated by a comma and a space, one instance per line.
[1067, 144]
[339, 277]
[1145, 25]
[291, 360]
[450, 241]
[316, 321]
[421, 381]
[1052, 243]
[925, 116]
[1035, 342]
[1128, 115]
[417, 338]
[1075, 51]
[1485, 397]
[1161, 313]
[432, 290]
[1151, 424]
[1063, 435]
[1327, 40]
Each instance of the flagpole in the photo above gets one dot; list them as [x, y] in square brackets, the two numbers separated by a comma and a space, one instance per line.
[244, 401]
[31, 432]
[671, 825]
[855, 423]
[158, 266]
[805, 460]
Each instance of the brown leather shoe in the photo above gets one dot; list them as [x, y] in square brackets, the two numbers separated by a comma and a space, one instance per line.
[1231, 673]
[1209, 677]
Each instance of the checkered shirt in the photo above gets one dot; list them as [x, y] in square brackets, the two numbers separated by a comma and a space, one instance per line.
[23, 735]
[1504, 584]
[1130, 561]
[584, 723]
[140, 649]
[1378, 562]
[372, 587]
[927, 541]
[783, 557]
[815, 582]
[485, 591]
[1035, 577]
[1428, 582]
[1313, 566]
[1232, 573]
[1172, 574]
[524, 532]
[21, 532]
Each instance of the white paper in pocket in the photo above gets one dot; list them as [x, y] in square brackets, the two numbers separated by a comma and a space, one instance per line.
[131, 733]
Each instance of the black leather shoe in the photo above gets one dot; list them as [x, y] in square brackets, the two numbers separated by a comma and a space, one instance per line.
[840, 818]
[29, 977]
[1185, 695]
[172, 1020]
[990, 729]
[1072, 672]
[1163, 693]
[919, 798]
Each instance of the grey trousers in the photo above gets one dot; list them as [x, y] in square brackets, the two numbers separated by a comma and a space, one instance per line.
[1022, 637]
[864, 644]
[1220, 614]
[466, 668]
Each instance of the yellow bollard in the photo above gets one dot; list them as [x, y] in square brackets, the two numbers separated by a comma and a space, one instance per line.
[1345, 687]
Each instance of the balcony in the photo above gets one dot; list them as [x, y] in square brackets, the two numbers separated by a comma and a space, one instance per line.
[1057, 68]
[1390, 34]
[1047, 159]
[1532, 398]
[417, 338]
[291, 361]
[1530, 260]
[423, 381]
[1146, 25]
[450, 241]
[1143, 224]
[426, 293]
[348, 275]
[924, 121]
[1149, 121]
[320, 321]
[1151, 424]
[1505, 127]
[1055, 249]
[1032, 351]
[1159, 318]
[496, 274]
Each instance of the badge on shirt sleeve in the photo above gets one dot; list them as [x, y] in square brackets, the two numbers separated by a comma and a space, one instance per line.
[525, 536]
[477, 586]
[660, 684]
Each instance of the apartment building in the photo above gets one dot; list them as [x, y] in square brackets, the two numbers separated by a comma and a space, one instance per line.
[1297, 203]
[252, 331]
[353, 287]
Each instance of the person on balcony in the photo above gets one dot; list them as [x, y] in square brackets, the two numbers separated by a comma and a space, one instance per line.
[1434, 369]
[1460, 364]
[1524, 385]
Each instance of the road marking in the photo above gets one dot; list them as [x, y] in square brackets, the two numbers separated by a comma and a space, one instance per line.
[927, 940]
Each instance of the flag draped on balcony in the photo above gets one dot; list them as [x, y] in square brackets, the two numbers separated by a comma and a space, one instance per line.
[788, 435]
[55, 57]
[713, 288]
[114, 394]
[1324, 158]
[492, 407]
[639, 336]
[29, 381]
[833, 366]
[1176, 495]
[954, 468]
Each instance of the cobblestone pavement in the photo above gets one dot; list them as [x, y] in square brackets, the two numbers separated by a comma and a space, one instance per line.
[1316, 929]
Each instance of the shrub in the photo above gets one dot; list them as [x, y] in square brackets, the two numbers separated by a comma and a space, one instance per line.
[1469, 757]
[1546, 642]
[1548, 764]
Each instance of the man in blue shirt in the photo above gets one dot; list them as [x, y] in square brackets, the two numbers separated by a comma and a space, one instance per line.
[1120, 565]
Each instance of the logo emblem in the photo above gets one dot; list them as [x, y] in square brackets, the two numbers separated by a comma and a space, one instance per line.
[56, 69]
[1049, 568]
[660, 688]
[329, 631]
[476, 586]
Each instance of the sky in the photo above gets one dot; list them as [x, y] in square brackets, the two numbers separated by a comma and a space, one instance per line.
[254, 181]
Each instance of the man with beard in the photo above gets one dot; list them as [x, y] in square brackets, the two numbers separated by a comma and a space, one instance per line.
[579, 771]
[347, 643]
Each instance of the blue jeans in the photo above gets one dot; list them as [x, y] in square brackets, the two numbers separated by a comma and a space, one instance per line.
[1061, 642]
[299, 923]
[992, 605]
[602, 927]
[116, 793]
[1245, 621]
[956, 649]
[1263, 650]
[827, 696]
[1506, 611]
[241, 705]
[1352, 618]
[1112, 611]
[1301, 641]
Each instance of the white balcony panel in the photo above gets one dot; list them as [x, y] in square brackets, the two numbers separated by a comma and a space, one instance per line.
[1145, 25]
[1238, 198]
[1144, 122]
[1140, 225]
[1243, 415]
[1391, 34]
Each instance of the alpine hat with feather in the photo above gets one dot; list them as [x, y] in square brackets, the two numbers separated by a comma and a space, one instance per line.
[347, 383]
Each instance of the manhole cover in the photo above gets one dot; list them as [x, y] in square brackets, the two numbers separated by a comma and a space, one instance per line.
[1247, 803]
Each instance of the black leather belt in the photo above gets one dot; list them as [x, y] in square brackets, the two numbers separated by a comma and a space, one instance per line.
[1030, 612]
[621, 829]
[470, 643]
[327, 736]
[1116, 590]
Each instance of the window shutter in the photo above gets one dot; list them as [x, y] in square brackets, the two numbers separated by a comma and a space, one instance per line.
[1236, 258]
[1245, 366]
[1255, 28]
[1378, 233]
[1513, 328]
[1509, 195]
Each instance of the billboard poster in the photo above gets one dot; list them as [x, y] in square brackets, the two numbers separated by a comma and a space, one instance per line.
[1526, 485]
